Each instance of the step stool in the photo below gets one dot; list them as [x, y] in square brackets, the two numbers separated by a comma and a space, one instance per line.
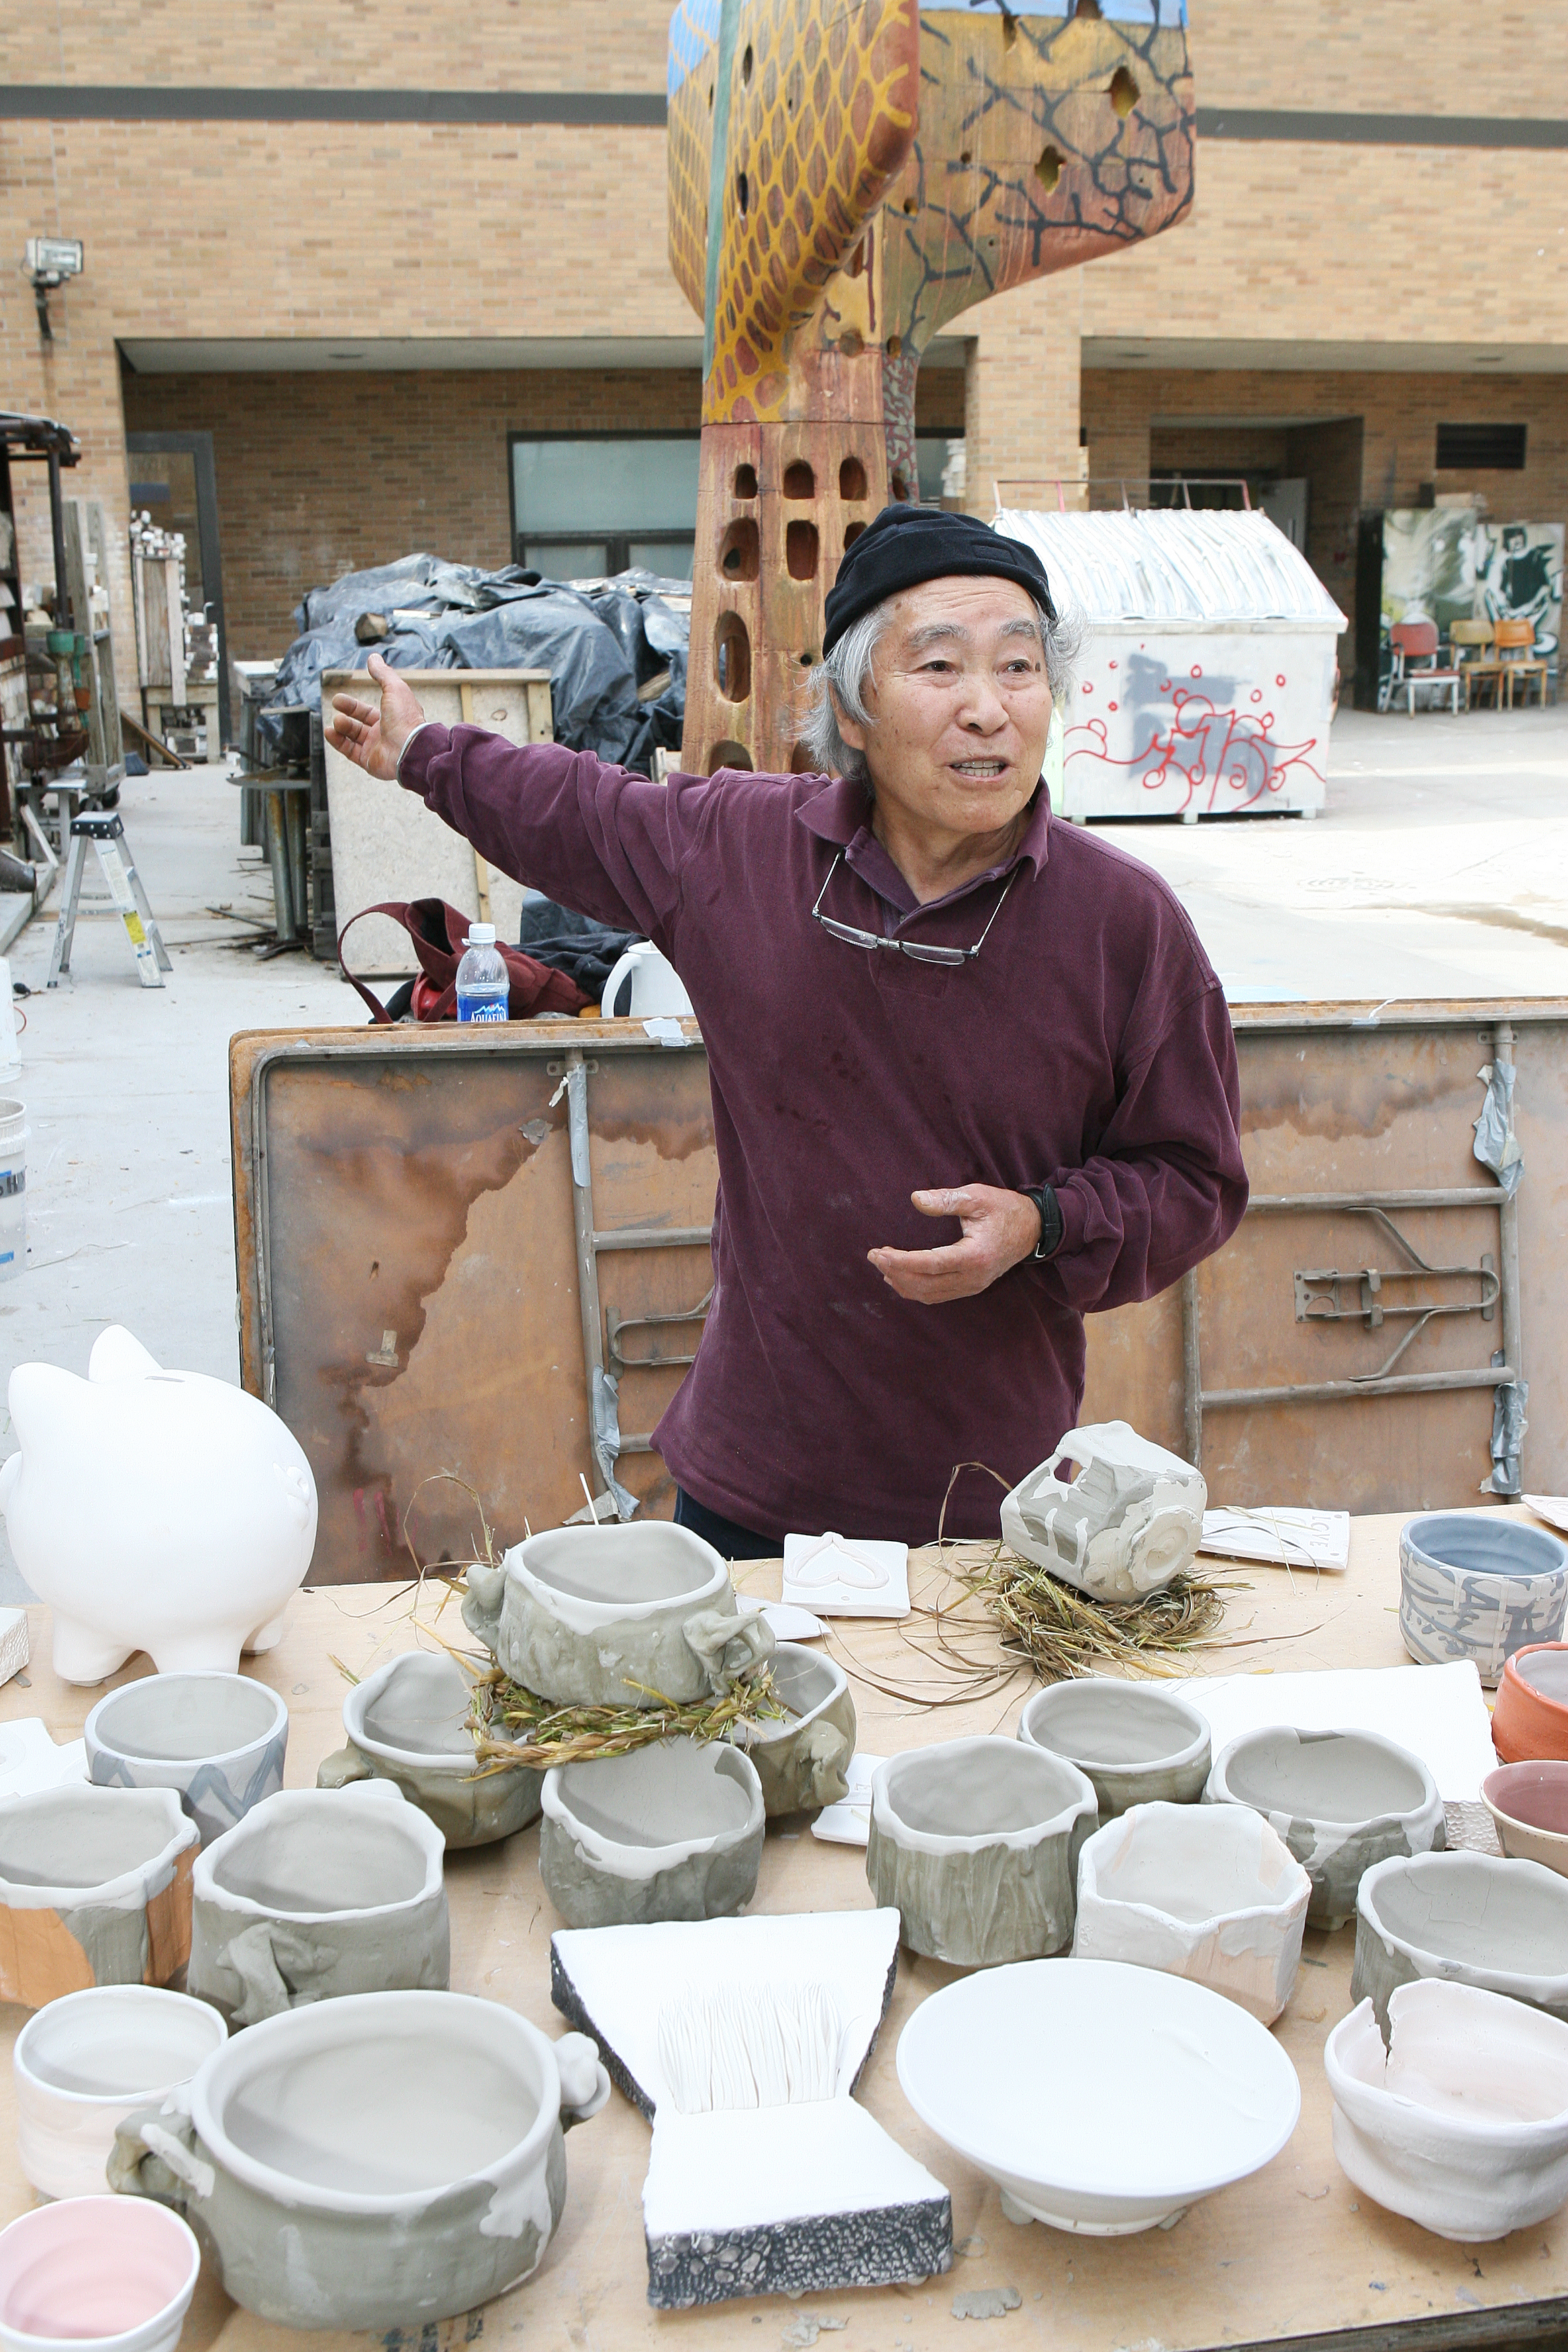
[107, 833]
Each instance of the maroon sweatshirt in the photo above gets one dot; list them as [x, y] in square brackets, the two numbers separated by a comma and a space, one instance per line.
[1087, 1046]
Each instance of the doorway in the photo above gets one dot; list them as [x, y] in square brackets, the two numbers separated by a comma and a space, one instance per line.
[172, 478]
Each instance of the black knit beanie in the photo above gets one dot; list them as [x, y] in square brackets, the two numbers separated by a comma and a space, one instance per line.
[908, 544]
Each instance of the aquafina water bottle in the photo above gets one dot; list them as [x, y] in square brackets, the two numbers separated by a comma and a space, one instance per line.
[482, 983]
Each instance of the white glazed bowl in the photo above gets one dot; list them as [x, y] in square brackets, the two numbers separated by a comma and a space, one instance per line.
[86, 2062]
[1101, 2098]
[1208, 1892]
[218, 1740]
[112, 2272]
[1139, 1745]
[1462, 2123]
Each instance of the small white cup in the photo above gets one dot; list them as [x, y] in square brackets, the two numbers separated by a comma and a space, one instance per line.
[88, 2060]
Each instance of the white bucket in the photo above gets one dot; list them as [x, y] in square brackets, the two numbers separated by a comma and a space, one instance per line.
[13, 1186]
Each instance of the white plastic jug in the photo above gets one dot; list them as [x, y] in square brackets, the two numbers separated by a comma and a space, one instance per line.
[655, 988]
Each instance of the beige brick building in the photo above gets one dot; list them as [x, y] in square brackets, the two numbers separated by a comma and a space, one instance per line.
[308, 261]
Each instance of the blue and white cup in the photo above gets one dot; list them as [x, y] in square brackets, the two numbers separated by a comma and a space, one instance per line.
[218, 1740]
[1474, 1584]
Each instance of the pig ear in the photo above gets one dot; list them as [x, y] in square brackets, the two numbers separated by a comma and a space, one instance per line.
[51, 1411]
[116, 1356]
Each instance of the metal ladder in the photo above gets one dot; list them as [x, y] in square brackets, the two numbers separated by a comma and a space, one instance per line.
[107, 835]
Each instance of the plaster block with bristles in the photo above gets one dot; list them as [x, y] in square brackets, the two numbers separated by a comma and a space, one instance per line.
[13, 1650]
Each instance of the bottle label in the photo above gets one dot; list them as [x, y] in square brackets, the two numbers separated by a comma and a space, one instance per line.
[492, 1008]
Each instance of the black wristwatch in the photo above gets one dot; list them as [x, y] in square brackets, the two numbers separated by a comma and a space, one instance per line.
[1049, 1207]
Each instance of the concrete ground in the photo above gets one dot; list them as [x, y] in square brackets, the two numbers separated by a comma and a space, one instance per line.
[1439, 868]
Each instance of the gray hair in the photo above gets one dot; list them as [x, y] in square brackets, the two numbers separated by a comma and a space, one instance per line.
[838, 685]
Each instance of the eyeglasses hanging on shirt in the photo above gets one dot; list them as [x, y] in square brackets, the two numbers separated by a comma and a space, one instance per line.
[854, 937]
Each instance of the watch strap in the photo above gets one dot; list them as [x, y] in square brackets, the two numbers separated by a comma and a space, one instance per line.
[1051, 1228]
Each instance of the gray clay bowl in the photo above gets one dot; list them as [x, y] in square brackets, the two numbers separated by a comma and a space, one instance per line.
[975, 1844]
[671, 1832]
[1340, 1800]
[218, 1740]
[407, 1723]
[1468, 1918]
[803, 1762]
[1139, 1745]
[1474, 1585]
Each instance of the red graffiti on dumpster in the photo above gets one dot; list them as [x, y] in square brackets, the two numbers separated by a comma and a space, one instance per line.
[1232, 755]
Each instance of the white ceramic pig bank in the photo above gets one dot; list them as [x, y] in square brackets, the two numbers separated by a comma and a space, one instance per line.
[154, 1510]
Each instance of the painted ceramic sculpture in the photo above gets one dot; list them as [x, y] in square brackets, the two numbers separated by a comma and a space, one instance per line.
[1128, 1524]
[844, 180]
[196, 1526]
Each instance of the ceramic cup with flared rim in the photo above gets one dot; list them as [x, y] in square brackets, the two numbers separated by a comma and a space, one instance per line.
[1529, 1806]
[671, 1832]
[1139, 1745]
[116, 2273]
[87, 2061]
[218, 1740]
[1529, 1721]
[1473, 1584]
[1462, 1918]
[1341, 1800]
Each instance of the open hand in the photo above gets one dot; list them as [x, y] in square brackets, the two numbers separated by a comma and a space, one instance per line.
[999, 1229]
[373, 738]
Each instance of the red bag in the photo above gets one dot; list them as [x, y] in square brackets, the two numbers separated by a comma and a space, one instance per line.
[438, 931]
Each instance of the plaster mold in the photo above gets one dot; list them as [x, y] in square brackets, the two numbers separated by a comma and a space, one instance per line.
[407, 1723]
[95, 1888]
[99, 2273]
[217, 1740]
[85, 2062]
[367, 2162]
[1128, 1524]
[975, 1844]
[195, 1527]
[1341, 1800]
[804, 1763]
[1473, 1584]
[671, 1832]
[1101, 2098]
[1530, 1722]
[617, 1616]
[1208, 1892]
[316, 1894]
[1461, 2122]
[1138, 1745]
[1463, 1918]
[1529, 1806]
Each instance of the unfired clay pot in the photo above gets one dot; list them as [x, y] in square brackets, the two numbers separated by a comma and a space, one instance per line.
[1529, 1806]
[1473, 1584]
[318, 1893]
[975, 1843]
[615, 1616]
[1462, 2124]
[217, 1740]
[1464, 1918]
[1341, 1800]
[671, 1832]
[1138, 1744]
[95, 1888]
[1530, 1722]
[407, 1723]
[803, 1763]
[1202, 1891]
[391, 2158]
[85, 2062]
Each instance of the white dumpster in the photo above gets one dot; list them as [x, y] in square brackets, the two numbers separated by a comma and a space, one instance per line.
[1206, 679]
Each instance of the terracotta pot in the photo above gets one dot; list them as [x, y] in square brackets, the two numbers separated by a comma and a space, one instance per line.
[95, 1888]
[1531, 1719]
[1529, 1806]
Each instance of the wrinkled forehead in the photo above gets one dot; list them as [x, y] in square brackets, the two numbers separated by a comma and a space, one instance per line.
[963, 612]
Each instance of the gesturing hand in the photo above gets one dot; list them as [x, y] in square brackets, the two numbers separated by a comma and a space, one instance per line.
[373, 739]
[1000, 1229]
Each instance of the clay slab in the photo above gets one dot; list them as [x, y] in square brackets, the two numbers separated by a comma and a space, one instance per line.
[1440, 1714]
[1464, 1918]
[671, 1832]
[847, 1576]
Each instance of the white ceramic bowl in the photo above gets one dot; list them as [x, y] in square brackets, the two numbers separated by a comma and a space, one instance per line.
[1467, 1918]
[85, 2062]
[218, 1740]
[1101, 2098]
[1462, 2123]
[112, 2272]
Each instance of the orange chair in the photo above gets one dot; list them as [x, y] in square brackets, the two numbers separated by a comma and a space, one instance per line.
[1516, 658]
[1414, 646]
[1471, 644]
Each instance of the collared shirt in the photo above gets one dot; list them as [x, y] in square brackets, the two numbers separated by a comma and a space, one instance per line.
[1088, 1046]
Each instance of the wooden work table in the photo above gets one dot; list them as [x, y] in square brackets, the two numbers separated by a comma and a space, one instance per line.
[1292, 2255]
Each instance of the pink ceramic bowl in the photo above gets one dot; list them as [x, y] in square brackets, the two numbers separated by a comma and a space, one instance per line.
[1529, 1804]
[115, 2273]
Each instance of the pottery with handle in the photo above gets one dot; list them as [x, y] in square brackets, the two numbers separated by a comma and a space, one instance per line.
[1462, 1918]
[1208, 1892]
[1461, 2122]
[315, 1895]
[1139, 1745]
[617, 1616]
[386, 2158]
[673, 1831]
[803, 1762]
[86, 2062]
[218, 1740]
[1474, 1585]
[95, 1888]
[1529, 1721]
[1529, 1806]
[975, 1844]
[407, 1723]
[1341, 1800]
[104, 2273]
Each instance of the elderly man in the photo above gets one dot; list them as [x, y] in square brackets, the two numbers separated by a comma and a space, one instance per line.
[972, 1075]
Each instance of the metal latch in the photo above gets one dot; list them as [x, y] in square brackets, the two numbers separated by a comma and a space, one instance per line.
[655, 1360]
[1372, 1295]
